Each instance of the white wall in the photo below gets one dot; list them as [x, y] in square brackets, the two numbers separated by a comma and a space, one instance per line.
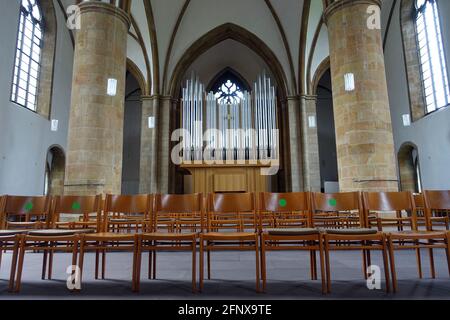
[432, 133]
[25, 136]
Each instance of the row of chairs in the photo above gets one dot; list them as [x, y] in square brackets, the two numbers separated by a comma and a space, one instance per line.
[318, 223]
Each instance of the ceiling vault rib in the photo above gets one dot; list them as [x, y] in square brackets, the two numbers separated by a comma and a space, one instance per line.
[286, 44]
[302, 46]
[311, 55]
[154, 45]
[172, 41]
[145, 53]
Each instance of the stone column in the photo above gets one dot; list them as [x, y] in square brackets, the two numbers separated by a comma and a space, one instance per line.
[94, 156]
[149, 146]
[164, 152]
[295, 144]
[311, 164]
[365, 144]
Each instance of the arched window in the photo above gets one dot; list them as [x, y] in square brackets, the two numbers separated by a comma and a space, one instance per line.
[432, 58]
[28, 55]
[228, 88]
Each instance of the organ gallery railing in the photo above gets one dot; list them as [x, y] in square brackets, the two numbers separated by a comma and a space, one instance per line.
[240, 129]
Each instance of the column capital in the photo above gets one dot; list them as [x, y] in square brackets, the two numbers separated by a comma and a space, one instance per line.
[102, 7]
[342, 4]
[309, 97]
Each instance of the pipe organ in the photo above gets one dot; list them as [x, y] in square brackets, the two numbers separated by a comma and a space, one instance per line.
[240, 129]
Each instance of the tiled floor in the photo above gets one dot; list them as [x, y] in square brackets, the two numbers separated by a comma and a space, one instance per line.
[233, 274]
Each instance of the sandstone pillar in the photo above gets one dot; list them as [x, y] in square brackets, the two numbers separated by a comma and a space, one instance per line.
[295, 144]
[149, 146]
[365, 146]
[311, 164]
[164, 137]
[94, 156]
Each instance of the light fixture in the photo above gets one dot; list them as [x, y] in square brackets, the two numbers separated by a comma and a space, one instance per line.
[349, 80]
[54, 125]
[406, 120]
[312, 123]
[112, 87]
[151, 122]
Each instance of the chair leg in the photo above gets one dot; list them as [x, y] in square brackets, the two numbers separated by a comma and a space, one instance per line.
[201, 266]
[448, 253]
[1, 253]
[386, 265]
[322, 266]
[103, 264]
[364, 256]
[263, 263]
[419, 262]
[81, 260]
[194, 266]
[138, 269]
[20, 266]
[209, 263]
[44, 264]
[327, 263]
[258, 267]
[12, 275]
[133, 273]
[97, 261]
[432, 266]
[392, 259]
[154, 264]
[50, 262]
[150, 267]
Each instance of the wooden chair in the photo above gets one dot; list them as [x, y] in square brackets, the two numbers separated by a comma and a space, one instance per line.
[352, 237]
[438, 218]
[9, 241]
[290, 230]
[395, 202]
[31, 212]
[232, 224]
[187, 214]
[57, 239]
[115, 241]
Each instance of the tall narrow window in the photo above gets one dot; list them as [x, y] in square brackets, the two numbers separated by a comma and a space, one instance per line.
[432, 59]
[28, 55]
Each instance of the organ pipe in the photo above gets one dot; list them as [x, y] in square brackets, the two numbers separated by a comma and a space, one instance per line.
[244, 129]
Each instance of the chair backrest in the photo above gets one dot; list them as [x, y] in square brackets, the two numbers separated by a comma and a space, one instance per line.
[284, 210]
[179, 213]
[337, 204]
[388, 202]
[76, 205]
[236, 211]
[436, 203]
[36, 207]
[127, 205]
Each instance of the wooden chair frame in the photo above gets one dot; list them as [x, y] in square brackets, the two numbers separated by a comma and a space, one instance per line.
[103, 242]
[238, 209]
[186, 213]
[58, 239]
[350, 239]
[405, 240]
[25, 207]
[297, 204]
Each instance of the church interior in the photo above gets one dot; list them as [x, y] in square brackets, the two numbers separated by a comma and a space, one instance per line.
[238, 149]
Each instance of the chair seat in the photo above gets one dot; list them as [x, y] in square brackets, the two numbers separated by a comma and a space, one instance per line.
[229, 235]
[6, 233]
[105, 236]
[353, 231]
[170, 236]
[292, 231]
[59, 232]
[418, 234]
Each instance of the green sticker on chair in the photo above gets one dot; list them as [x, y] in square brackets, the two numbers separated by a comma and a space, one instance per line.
[283, 203]
[28, 207]
[76, 206]
[332, 202]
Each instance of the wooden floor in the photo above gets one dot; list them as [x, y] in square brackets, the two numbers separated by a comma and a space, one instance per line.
[233, 272]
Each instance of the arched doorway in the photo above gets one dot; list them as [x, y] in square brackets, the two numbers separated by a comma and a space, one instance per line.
[326, 134]
[132, 134]
[409, 168]
[54, 171]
